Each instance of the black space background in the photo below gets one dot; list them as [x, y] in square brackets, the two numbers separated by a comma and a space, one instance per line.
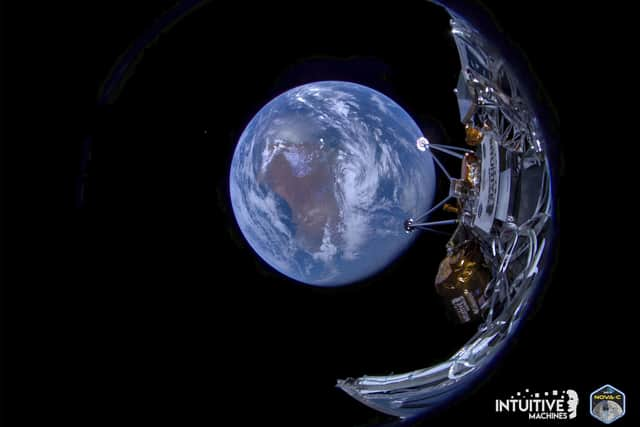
[148, 305]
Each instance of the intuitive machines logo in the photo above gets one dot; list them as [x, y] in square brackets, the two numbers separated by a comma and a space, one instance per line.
[548, 405]
[607, 404]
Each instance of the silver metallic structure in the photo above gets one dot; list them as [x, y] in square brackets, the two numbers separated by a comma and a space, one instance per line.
[508, 213]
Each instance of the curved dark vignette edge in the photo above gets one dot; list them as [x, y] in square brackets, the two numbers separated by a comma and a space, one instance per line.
[121, 71]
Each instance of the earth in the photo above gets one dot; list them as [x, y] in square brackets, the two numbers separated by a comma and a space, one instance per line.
[324, 177]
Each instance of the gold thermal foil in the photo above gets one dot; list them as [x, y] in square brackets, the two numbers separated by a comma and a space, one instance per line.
[473, 136]
[471, 169]
[461, 281]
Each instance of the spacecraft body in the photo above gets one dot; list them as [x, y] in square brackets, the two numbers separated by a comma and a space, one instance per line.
[503, 206]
